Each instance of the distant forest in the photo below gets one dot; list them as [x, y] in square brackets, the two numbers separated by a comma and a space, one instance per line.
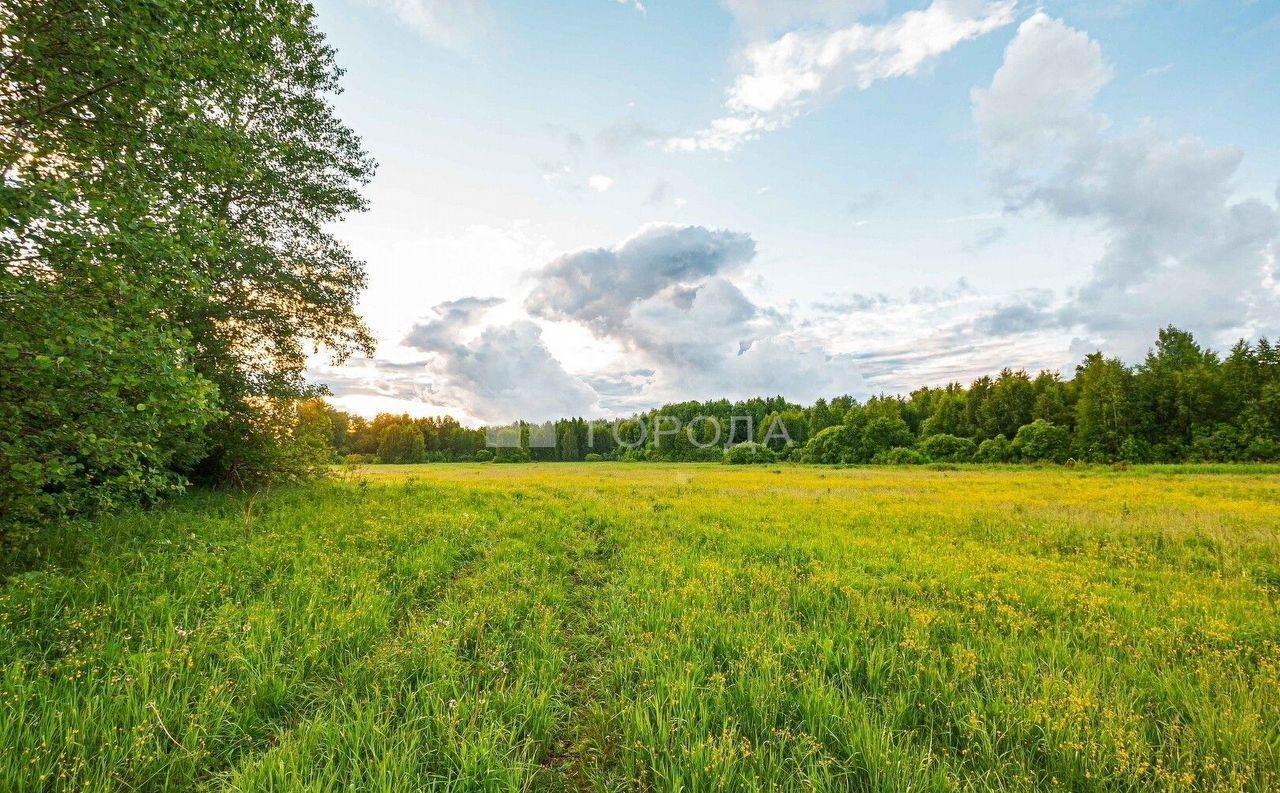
[1183, 403]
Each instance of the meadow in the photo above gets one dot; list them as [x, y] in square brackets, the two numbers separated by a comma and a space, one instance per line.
[659, 627]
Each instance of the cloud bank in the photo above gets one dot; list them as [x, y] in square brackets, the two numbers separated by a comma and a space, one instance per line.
[1181, 247]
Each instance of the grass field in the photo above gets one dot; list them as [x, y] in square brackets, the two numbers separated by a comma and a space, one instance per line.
[695, 628]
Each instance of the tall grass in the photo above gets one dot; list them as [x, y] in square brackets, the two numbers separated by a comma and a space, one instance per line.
[610, 627]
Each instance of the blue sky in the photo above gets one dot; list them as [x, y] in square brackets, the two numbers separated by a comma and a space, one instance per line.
[592, 207]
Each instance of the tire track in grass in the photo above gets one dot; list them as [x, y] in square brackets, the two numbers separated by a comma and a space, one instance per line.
[423, 602]
[475, 696]
[572, 762]
[189, 731]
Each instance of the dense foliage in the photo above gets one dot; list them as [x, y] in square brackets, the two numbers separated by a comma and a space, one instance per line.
[1182, 403]
[169, 169]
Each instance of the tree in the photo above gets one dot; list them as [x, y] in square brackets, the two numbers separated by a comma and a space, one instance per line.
[1009, 405]
[882, 434]
[949, 416]
[1104, 409]
[567, 442]
[1177, 394]
[401, 443]
[780, 429]
[821, 417]
[171, 168]
[1041, 441]
[831, 446]
[1054, 402]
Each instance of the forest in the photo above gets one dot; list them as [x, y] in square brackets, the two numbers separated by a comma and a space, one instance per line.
[1182, 403]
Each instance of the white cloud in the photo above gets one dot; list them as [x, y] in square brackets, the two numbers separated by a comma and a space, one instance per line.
[1180, 247]
[1041, 96]
[598, 286]
[666, 296]
[786, 76]
[449, 23]
[599, 182]
[501, 373]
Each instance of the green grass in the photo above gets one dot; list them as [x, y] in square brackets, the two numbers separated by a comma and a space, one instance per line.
[655, 627]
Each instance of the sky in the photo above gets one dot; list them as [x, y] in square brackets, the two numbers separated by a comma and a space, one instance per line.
[594, 207]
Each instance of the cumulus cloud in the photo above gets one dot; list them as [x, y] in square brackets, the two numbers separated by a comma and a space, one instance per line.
[599, 182]
[666, 295]
[786, 76]
[501, 373]
[1180, 246]
[449, 23]
[598, 286]
[1041, 97]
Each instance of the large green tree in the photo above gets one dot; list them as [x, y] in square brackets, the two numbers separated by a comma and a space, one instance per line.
[170, 168]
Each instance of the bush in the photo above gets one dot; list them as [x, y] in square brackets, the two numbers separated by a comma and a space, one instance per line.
[483, 456]
[949, 449]
[899, 455]
[995, 450]
[1136, 450]
[592, 457]
[279, 441]
[1262, 450]
[749, 453]
[511, 454]
[1041, 441]
[1224, 445]
[358, 459]
[99, 411]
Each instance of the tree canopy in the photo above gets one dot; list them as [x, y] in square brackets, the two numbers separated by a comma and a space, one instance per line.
[170, 169]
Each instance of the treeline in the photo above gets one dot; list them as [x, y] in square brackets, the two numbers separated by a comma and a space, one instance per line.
[1183, 403]
[170, 168]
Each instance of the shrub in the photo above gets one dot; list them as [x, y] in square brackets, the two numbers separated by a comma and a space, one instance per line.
[949, 449]
[483, 456]
[358, 459]
[899, 455]
[592, 457]
[511, 454]
[1262, 450]
[749, 453]
[99, 410]
[1136, 450]
[995, 450]
[1042, 441]
[1224, 444]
